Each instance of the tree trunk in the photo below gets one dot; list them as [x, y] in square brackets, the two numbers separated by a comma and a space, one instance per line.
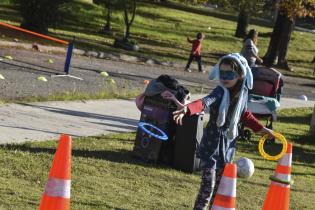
[109, 14]
[107, 27]
[279, 42]
[242, 23]
[270, 57]
[126, 19]
[127, 29]
[127, 32]
[288, 27]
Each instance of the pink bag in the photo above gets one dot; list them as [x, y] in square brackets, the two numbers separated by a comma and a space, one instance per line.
[139, 101]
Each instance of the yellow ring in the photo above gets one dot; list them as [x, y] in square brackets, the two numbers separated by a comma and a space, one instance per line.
[279, 137]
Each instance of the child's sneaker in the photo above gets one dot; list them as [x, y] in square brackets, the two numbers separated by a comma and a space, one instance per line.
[187, 69]
[203, 71]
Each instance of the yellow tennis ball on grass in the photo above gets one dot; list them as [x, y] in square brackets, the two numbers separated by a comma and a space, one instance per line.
[111, 80]
[8, 57]
[104, 74]
[42, 78]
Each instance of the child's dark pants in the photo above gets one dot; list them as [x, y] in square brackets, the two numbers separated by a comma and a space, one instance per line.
[196, 58]
[209, 185]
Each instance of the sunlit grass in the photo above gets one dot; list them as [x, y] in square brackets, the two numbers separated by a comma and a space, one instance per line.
[106, 176]
[161, 33]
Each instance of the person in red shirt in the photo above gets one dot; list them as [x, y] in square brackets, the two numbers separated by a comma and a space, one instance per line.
[195, 53]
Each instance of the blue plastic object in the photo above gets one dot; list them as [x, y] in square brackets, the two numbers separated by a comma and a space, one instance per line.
[68, 58]
[162, 136]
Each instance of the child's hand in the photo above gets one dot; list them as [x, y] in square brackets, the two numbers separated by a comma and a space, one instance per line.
[179, 114]
[260, 61]
[265, 131]
[168, 95]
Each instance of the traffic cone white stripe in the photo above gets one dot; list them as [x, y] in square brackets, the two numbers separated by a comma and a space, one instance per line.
[285, 177]
[221, 208]
[286, 160]
[280, 184]
[227, 186]
[58, 188]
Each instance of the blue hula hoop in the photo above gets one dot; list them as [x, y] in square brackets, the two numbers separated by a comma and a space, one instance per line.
[162, 136]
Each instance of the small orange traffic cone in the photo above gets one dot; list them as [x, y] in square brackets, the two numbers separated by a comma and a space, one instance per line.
[278, 195]
[225, 197]
[57, 190]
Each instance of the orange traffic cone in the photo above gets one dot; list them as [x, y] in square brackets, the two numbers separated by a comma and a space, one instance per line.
[225, 197]
[57, 190]
[278, 195]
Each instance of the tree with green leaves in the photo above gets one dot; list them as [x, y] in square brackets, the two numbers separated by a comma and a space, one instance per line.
[38, 15]
[288, 11]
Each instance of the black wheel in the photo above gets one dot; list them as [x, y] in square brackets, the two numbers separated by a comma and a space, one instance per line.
[269, 123]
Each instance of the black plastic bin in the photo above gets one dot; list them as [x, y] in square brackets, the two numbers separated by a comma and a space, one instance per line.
[187, 140]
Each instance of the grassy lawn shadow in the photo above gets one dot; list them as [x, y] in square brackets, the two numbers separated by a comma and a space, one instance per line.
[9, 12]
[116, 156]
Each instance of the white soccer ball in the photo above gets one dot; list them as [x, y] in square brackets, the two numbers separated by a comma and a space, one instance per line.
[245, 167]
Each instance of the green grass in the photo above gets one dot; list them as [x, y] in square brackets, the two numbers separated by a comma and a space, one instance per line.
[106, 176]
[161, 32]
[115, 93]
[120, 90]
[72, 96]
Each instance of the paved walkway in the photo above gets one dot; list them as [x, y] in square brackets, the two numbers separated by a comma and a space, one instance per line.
[44, 121]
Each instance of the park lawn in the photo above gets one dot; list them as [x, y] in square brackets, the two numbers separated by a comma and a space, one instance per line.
[106, 176]
[161, 32]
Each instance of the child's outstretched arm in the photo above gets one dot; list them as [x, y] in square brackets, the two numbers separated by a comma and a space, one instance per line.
[197, 106]
[193, 108]
[189, 40]
[265, 131]
[251, 122]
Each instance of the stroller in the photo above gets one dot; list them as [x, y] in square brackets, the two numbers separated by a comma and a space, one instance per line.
[264, 98]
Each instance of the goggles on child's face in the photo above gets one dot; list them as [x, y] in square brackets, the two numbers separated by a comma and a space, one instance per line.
[228, 75]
